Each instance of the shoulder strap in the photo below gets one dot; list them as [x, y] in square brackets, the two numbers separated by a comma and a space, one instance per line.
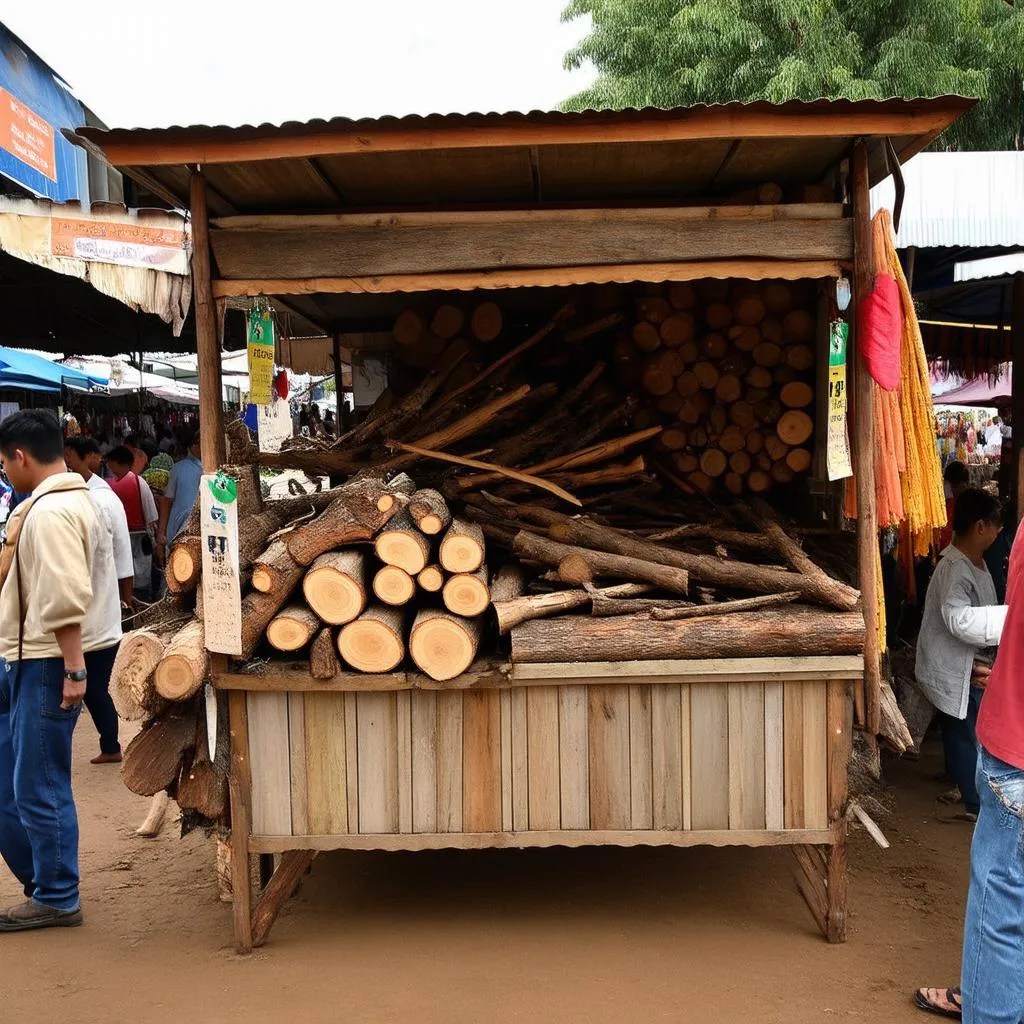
[29, 505]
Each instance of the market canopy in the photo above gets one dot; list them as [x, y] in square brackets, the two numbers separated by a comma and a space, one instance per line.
[982, 391]
[31, 372]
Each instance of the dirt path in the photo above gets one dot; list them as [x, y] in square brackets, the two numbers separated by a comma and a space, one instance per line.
[587, 936]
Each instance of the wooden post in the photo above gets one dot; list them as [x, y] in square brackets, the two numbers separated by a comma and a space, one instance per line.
[339, 402]
[211, 395]
[864, 441]
[839, 718]
[1017, 384]
[240, 786]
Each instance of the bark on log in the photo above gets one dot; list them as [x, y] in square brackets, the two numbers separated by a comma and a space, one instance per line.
[201, 787]
[258, 609]
[185, 663]
[131, 680]
[292, 628]
[606, 607]
[665, 613]
[334, 528]
[429, 511]
[184, 564]
[443, 645]
[601, 563]
[334, 586]
[373, 643]
[431, 579]
[509, 583]
[462, 549]
[394, 586]
[273, 568]
[152, 761]
[323, 656]
[801, 631]
[467, 594]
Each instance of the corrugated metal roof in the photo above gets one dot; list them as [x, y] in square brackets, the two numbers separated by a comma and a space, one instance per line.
[959, 199]
[994, 266]
[476, 119]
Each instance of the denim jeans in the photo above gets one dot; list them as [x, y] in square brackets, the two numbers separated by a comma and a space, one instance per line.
[99, 665]
[38, 820]
[993, 957]
[960, 746]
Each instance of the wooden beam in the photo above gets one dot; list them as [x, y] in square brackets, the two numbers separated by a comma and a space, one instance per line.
[211, 395]
[329, 186]
[281, 887]
[755, 270]
[240, 789]
[397, 246]
[527, 840]
[864, 441]
[836, 880]
[730, 121]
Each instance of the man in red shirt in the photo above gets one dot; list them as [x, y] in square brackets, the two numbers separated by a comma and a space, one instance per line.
[992, 970]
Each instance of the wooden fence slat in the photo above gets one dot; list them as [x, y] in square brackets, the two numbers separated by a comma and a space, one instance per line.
[449, 762]
[542, 752]
[815, 756]
[506, 760]
[746, 756]
[404, 741]
[793, 754]
[297, 760]
[481, 761]
[667, 757]
[774, 772]
[326, 771]
[709, 746]
[271, 768]
[424, 761]
[608, 733]
[573, 758]
[641, 799]
[520, 762]
[377, 731]
[685, 751]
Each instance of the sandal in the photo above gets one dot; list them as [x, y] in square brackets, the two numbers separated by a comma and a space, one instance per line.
[952, 796]
[945, 1004]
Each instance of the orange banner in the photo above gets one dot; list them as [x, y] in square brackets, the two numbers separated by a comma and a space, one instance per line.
[25, 135]
[129, 244]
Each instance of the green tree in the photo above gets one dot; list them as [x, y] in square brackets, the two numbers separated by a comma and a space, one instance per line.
[682, 52]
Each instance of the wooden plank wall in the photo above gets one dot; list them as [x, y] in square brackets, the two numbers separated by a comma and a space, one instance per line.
[541, 758]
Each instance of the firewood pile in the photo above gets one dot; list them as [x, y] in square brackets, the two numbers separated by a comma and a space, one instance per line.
[709, 385]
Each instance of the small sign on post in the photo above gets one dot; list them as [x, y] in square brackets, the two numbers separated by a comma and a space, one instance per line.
[222, 592]
[838, 448]
[260, 337]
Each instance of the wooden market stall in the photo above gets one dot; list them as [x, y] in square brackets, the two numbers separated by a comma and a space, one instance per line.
[353, 224]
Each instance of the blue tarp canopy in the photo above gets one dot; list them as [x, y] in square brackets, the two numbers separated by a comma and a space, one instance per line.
[34, 373]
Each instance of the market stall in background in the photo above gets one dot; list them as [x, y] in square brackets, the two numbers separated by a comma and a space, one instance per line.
[586, 574]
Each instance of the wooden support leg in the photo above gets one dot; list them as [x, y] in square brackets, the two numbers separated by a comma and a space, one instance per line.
[280, 888]
[837, 892]
[820, 874]
[240, 786]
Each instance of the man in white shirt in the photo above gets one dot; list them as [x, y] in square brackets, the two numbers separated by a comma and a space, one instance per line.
[80, 453]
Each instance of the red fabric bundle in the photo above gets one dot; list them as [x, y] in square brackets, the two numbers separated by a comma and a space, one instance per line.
[881, 327]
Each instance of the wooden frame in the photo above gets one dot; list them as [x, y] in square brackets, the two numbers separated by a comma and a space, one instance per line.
[748, 752]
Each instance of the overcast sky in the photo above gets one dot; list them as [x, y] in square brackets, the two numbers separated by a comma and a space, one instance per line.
[143, 64]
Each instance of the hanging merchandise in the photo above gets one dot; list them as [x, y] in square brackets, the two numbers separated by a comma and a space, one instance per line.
[281, 386]
[881, 315]
[838, 448]
[260, 337]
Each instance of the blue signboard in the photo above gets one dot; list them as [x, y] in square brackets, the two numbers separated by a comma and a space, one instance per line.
[34, 107]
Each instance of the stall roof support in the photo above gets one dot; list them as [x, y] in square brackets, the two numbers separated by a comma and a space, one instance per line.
[864, 444]
[211, 418]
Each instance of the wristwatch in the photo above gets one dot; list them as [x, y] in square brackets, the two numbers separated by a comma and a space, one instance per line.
[79, 675]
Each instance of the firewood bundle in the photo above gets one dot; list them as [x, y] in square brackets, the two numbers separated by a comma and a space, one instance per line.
[727, 367]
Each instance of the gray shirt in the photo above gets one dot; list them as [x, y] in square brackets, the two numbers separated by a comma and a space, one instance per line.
[960, 617]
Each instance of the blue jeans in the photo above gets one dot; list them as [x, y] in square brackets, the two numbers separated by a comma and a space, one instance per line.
[960, 745]
[993, 957]
[38, 820]
[99, 665]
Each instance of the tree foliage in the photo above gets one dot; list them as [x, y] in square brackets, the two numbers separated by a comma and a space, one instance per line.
[682, 52]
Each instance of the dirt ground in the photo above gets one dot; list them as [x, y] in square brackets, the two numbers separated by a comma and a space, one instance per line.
[542, 935]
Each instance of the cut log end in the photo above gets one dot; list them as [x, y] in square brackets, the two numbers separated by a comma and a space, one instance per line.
[292, 628]
[373, 643]
[442, 645]
[431, 579]
[466, 594]
[462, 549]
[395, 586]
